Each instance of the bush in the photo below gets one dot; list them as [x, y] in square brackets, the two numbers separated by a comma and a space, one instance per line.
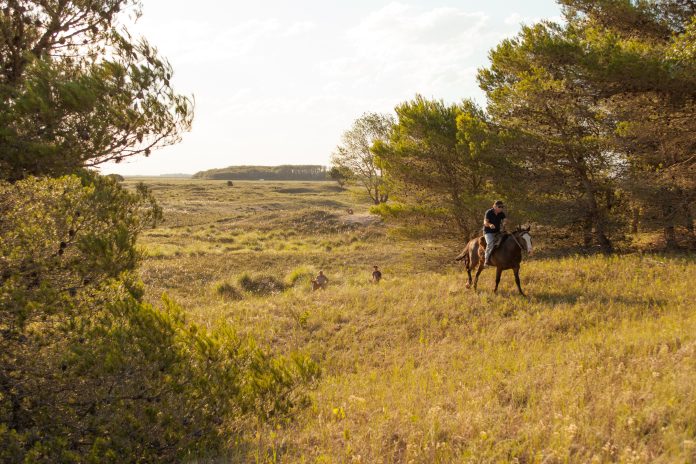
[299, 276]
[116, 177]
[228, 291]
[90, 373]
[260, 284]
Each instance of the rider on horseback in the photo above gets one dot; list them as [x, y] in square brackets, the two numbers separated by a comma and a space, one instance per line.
[493, 223]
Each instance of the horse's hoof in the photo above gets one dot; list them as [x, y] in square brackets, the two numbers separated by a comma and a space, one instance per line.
[468, 285]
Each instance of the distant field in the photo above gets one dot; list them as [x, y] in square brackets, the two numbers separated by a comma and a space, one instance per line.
[598, 365]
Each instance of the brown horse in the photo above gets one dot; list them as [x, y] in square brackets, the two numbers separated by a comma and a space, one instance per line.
[508, 255]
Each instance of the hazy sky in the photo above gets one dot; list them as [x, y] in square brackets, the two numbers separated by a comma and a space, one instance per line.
[277, 82]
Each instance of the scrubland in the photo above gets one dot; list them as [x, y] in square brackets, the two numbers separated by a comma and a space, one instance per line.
[597, 365]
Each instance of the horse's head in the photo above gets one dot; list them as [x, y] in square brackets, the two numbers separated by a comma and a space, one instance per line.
[523, 233]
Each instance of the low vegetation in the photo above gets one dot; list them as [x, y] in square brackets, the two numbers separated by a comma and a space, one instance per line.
[89, 371]
[595, 366]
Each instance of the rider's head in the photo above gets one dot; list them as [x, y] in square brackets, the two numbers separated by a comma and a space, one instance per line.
[498, 205]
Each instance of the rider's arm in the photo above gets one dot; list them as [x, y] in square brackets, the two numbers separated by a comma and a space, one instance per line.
[487, 223]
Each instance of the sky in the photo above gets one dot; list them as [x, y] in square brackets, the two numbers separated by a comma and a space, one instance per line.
[278, 82]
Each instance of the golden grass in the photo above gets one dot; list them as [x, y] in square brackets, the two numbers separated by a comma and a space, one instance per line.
[597, 365]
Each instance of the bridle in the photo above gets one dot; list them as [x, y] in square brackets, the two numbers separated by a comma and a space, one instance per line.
[518, 243]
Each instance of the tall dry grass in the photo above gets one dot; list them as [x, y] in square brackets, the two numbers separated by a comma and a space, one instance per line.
[597, 365]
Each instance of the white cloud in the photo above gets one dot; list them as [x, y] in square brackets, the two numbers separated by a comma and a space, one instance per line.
[411, 50]
[401, 26]
[514, 19]
[223, 44]
[197, 42]
[299, 28]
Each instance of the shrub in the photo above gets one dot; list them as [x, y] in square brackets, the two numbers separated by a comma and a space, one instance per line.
[299, 276]
[115, 177]
[228, 291]
[260, 284]
[90, 373]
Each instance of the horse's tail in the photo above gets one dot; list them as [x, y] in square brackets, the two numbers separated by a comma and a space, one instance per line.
[464, 256]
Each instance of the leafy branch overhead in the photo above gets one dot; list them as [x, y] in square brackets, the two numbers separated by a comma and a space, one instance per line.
[77, 90]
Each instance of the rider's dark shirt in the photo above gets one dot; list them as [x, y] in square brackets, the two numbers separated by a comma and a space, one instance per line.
[495, 219]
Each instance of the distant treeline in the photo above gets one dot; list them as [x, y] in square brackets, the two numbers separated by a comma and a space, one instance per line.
[285, 172]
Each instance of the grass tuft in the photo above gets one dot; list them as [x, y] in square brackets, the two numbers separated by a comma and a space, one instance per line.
[260, 284]
[300, 276]
[228, 291]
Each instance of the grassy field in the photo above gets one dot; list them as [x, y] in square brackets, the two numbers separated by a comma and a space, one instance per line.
[597, 365]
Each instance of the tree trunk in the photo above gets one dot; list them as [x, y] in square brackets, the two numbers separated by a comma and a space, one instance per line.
[587, 232]
[670, 237]
[593, 231]
[597, 221]
[635, 219]
[604, 242]
[669, 229]
[690, 228]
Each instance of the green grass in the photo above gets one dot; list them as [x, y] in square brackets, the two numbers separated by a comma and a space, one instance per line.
[597, 365]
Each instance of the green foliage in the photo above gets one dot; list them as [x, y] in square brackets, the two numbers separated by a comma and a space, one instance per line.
[437, 155]
[340, 174]
[640, 63]
[654, 102]
[77, 91]
[354, 157]
[89, 372]
[652, 20]
[401, 210]
[554, 131]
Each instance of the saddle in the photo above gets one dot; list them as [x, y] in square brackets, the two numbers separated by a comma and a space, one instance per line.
[499, 239]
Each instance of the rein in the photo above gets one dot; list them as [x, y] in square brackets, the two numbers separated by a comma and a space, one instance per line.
[518, 243]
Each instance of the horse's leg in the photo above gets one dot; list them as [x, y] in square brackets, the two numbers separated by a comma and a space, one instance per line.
[498, 272]
[478, 272]
[471, 263]
[517, 280]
